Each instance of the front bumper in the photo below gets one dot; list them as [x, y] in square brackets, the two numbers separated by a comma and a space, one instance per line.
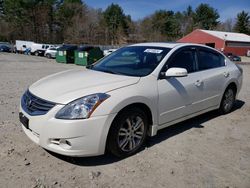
[85, 137]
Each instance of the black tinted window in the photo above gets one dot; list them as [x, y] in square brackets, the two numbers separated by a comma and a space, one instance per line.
[184, 59]
[132, 60]
[209, 60]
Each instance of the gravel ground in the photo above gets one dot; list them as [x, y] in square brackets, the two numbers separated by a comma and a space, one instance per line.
[207, 151]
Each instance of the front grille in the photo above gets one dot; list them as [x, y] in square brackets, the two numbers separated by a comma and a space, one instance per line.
[34, 105]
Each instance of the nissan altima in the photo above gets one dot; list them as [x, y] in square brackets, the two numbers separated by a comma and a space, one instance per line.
[116, 103]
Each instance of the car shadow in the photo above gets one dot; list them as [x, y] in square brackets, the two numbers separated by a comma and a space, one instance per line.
[162, 135]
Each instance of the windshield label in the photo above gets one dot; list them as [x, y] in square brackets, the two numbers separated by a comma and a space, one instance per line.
[154, 51]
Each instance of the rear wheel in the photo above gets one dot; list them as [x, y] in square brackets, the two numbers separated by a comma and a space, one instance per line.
[227, 101]
[127, 133]
[36, 53]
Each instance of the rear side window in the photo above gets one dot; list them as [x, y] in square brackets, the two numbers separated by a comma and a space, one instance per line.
[210, 60]
[184, 59]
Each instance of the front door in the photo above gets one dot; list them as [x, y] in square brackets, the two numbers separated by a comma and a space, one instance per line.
[180, 96]
[212, 65]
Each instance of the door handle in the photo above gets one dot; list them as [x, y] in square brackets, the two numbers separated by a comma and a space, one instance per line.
[198, 83]
[226, 74]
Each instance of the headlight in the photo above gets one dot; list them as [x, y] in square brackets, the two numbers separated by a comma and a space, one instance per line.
[82, 108]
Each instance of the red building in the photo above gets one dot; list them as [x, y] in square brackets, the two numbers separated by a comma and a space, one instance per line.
[227, 42]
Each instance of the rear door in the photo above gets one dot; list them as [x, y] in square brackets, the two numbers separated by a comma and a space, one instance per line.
[212, 66]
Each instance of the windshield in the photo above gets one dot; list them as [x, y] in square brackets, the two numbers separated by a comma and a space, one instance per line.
[132, 61]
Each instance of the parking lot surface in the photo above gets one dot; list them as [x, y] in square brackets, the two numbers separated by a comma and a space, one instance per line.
[206, 151]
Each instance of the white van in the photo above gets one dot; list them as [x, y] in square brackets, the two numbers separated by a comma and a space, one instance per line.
[22, 45]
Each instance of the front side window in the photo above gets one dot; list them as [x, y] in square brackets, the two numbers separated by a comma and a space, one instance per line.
[209, 60]
[132, 61]
[183, 59]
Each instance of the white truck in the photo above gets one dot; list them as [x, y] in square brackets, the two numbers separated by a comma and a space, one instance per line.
[39, 49]
[34, 48]
[22, 45]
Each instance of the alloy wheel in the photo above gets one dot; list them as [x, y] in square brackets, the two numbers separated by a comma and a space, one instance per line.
[228, 100]
[131, 133]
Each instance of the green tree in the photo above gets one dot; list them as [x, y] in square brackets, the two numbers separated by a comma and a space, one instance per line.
[29, 19]
[243, 23]
[116, 23]
[14, 13]
[161, 26]
[147, 31]
[206, 17]
[70, 19]
[162, 21]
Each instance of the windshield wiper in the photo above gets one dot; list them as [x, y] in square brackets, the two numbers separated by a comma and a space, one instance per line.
[89, 66]
[106, 70]
[102, 70]
[109, 71]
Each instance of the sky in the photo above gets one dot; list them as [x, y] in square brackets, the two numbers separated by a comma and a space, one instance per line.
[138, 9]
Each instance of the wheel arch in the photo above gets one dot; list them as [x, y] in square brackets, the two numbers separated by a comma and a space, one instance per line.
[139, 105]
[145, 108]
[232, 85]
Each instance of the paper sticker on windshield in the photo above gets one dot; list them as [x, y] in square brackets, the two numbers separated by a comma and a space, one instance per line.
[154, 51]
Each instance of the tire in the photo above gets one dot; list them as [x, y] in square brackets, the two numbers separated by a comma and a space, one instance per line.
[227, 101]
[36, 53]
[128, 133]
[48, 56]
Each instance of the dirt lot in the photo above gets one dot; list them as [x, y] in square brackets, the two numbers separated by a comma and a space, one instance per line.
[207, 151]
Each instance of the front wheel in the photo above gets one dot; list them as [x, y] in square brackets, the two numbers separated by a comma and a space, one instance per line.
[48, 56]
[127, 133]
[227, 101]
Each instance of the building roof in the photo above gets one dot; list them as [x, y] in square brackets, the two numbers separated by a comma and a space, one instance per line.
[229, 36]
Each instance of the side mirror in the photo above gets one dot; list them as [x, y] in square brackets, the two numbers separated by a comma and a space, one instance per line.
[176, 72]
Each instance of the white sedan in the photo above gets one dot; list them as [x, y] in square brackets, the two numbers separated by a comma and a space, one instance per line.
[125, 97]
[51, 52]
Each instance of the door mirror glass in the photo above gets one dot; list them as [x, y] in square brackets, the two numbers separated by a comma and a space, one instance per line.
[176, 72]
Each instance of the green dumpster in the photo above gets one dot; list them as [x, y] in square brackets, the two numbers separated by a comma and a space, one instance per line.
[87, 55]
[65, 54]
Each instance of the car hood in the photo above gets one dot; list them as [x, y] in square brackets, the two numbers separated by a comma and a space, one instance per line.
[67, 86]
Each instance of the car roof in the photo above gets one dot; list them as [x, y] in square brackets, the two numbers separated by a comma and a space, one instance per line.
[167, 44]
[174, 45]
[158, 44]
